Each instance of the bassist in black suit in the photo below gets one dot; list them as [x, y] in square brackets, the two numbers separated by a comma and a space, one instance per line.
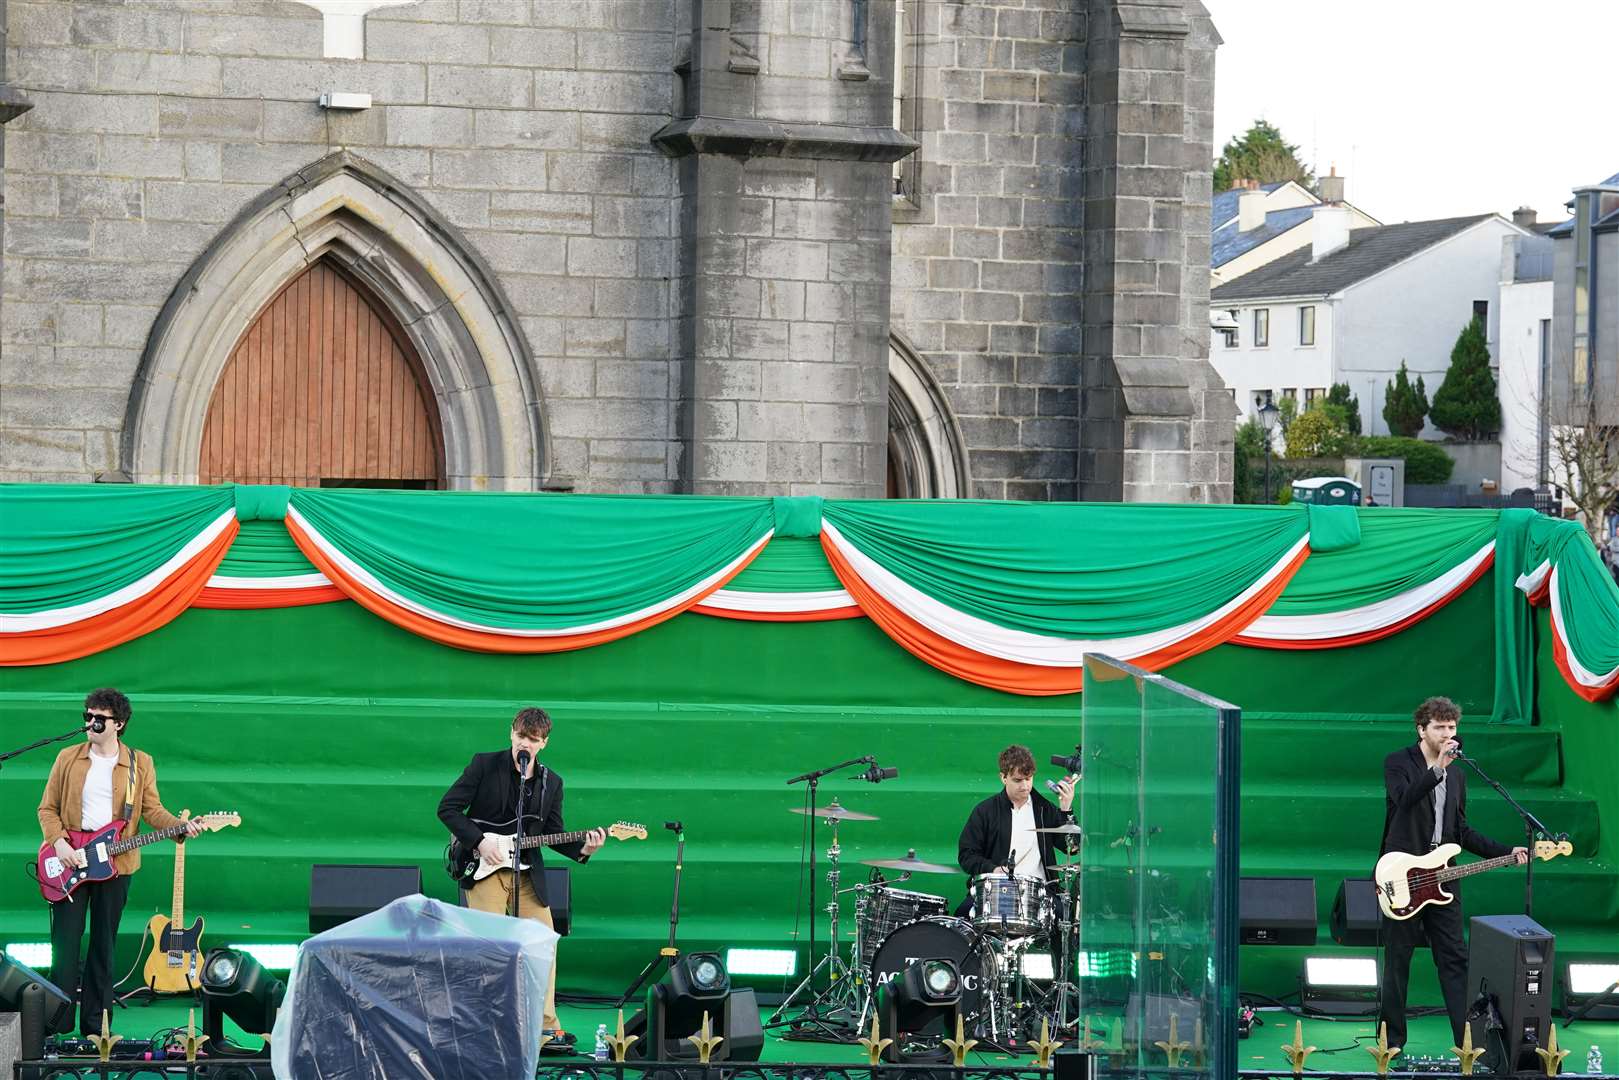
[1426, 806]
[487, 792]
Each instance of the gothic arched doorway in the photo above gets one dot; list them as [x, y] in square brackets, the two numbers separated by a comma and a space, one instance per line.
[322, 389]
[927, 456]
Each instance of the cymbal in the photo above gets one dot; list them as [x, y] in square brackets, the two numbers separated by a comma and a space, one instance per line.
[1067, 828]
[834, 812]
[912, 864]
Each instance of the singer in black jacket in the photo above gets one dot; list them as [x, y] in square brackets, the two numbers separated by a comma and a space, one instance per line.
[996, 836]
[487, 791]
[1423, 788]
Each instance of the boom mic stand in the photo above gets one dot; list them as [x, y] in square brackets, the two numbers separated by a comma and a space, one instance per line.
[35, 745]
[1533, 827]
[668, 952]
[814, 780]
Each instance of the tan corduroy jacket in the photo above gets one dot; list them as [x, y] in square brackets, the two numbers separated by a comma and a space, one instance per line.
[62, 805]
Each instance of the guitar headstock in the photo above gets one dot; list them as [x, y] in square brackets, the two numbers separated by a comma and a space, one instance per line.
[1550, 849]
[219, 819]
[626, 830]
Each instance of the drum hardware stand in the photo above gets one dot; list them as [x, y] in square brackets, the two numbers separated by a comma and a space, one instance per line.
[1065, 988]
[842, 991]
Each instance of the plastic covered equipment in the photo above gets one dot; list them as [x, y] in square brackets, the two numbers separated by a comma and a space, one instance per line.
[419, 988]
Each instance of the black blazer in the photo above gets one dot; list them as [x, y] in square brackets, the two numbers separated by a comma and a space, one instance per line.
[987, 836]
[487, 790]
[1408, 818]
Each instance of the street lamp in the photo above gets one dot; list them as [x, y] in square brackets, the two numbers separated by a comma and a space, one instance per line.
[1268, 415]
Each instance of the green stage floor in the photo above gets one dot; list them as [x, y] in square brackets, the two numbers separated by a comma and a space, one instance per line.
[1430, 1036]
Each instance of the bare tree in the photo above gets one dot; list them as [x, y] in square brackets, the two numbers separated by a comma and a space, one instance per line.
[1585, 461]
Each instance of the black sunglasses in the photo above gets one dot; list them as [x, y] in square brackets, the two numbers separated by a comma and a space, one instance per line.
[92, 717]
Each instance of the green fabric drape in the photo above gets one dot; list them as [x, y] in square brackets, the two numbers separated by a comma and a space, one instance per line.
[263, 549]
[526, 562]
[1073, 570]
[1514, 622]
[790, 564]
[66, 544]
[1588, 596]
[1397, 552]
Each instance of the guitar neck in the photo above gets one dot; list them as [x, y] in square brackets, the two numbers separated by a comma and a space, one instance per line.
[1451, 873]
[179, 916]
[555, 838]
[118, 847]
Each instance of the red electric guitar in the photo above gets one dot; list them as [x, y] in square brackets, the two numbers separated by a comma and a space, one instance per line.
[58, 879]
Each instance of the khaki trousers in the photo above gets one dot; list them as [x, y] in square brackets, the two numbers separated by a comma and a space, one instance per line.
[494, 894]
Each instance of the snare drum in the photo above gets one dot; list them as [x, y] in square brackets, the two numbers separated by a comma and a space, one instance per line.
[1010, 906]
[886, 910]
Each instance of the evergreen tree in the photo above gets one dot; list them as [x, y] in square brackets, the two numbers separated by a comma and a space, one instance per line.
[1466, 405]
[1344, 406]
[1404, 406]
[1261, 154]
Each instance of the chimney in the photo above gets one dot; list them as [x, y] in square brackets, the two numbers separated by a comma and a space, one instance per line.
[1331, 186]
[1250, 210]
[1524, 217]
[1329, 226]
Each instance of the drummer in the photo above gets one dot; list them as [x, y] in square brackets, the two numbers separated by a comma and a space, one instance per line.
[999, 837]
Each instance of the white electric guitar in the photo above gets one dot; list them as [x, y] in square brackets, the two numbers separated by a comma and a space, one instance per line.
[466, 863]
[1408, 883]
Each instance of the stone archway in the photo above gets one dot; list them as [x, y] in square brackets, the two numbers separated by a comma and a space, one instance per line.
[927, 456]
[474, 355]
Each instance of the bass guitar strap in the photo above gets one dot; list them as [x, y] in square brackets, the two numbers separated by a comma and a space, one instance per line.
[127, 813]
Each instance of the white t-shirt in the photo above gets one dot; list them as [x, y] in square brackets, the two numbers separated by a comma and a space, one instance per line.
[95, 810]
[1025, 843]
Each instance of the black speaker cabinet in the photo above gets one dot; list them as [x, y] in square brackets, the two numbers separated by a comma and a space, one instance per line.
[340, 892]
[17, 979]
[1509, 990]
[1277, 910]
[1356, 919]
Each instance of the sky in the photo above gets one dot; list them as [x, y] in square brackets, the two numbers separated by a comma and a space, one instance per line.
[1429, 108]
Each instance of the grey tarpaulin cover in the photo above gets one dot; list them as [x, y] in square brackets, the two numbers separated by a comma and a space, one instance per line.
[418, 989]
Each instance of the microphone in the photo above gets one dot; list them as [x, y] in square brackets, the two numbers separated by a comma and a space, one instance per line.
[522, 761]
[877, 775]
[98, 725]
[1457, 752]
[672, 826]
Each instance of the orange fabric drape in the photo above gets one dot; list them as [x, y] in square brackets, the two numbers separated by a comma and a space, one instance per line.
[1370, 635]
[482, 640]
[1035, 679]
[140, 616]
[1589, 693]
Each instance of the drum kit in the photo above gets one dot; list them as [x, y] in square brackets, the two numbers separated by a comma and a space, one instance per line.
[1008, 922]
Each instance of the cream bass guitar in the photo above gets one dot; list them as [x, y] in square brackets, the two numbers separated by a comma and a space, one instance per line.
[1408, 883]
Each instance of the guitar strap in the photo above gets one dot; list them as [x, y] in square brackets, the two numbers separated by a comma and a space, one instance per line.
[128, 811]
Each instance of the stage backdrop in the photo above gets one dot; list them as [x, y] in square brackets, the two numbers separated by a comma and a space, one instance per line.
[334, 729]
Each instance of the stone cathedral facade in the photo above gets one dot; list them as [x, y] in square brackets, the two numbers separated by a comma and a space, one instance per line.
[839, 247]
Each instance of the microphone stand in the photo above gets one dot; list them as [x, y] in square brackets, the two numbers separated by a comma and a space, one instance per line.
[517, 842]
[814, 781]
[1532, 826]
[668, 952]
[64, 737]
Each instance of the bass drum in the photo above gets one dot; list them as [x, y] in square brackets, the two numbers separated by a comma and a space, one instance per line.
[939, 937]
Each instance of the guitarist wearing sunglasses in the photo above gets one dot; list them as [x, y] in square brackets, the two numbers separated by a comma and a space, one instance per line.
[1425, 807]
[91, 785]
[480, 810]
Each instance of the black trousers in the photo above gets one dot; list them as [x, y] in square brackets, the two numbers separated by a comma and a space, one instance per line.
[102, 903]
[1439, 926]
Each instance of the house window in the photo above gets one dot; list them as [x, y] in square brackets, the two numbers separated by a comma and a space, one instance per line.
[1312, 395]
[1307, 325]
[1230, 336]
[1481, 312]
[1290, 393]
[909, 22]
[1261, 327]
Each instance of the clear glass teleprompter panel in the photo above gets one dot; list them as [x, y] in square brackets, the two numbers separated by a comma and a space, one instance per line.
[1156, 959]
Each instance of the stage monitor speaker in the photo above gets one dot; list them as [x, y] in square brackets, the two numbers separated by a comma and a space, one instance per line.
[1356, 919]
[339, 892]
[744, 1034]
[1277, 910]
[1074, 1065]
[1509, 990]
[18, 980]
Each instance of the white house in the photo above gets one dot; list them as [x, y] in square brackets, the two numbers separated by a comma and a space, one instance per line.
[1252, 225]
[1355, 303]
[1524, 357]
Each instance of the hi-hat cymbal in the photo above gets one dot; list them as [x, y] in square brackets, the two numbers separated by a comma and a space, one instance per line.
[911, 864]
[834, 812]
[1067, 828]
